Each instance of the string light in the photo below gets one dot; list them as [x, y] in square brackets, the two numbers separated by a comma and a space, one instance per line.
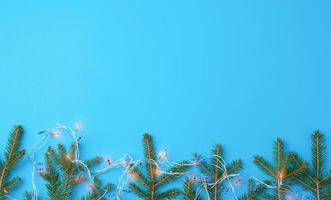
[127, 163]
[56, 133]
[157, 171]
[133, 175]
[163, 155]
[68, 157]
[78, 126]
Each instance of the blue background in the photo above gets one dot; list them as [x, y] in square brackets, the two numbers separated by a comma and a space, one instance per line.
[191, 73]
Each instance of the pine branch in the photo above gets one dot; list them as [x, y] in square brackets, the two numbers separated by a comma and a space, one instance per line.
[282, 171]
[138, 191]
[51, 175]
[234, 166]
[12, 155]
[27, 195]
[314, 178]
[205, 168]
[150, 181]
[63, 174]
[265, 166]
[93, 162]
[254, 190]
[139, 175]
[99, 190]
[190, 191]
[172, 174]
[150, 159]
[215, 170]
[169, 194]
[318, 153]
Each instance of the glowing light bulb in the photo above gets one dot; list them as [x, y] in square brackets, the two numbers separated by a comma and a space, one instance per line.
[157, 171]
[133, 175]
[68, 157]
[196, 160]
[78, 126]
[163, 155]
[195, 163]
[281, 175]
[56, 133]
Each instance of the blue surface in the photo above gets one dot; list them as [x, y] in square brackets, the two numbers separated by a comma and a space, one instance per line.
[191, 73]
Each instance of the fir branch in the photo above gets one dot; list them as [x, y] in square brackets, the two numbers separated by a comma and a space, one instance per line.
[265, 166]
[205, 168]
[216, 171]
[150, 157]
[140, 192]
[27, 195]
[254, 190]
[282, 170]
[51, 175]
[190, 191]
[314, 178]
[93, 162]
[99, 190]
[139, 175]
[12, 155]
[234, 166]
[63, 174]
[149, 181]
[172, 174]
[169, 194]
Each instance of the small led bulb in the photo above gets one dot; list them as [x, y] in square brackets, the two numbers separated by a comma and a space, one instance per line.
[56, 133]
[163, 155]
[157, 171]
[78, 126]
[133, 175]
[68, 157]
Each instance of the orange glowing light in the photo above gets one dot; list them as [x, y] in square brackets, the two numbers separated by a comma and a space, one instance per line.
[78, 126]
[163, 154]
[157, 171]
[281, 175]
[68, 157]
[133, 175]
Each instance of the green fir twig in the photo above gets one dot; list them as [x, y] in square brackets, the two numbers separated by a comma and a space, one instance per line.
[63, 174]
[149, 184]
[190, 191]
[281, 172]
[13, 154]
[217, 171]
[316, 178]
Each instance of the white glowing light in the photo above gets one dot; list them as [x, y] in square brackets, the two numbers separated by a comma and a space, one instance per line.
[163, 155]
[56, 133]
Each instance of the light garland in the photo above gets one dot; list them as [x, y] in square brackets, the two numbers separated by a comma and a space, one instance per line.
[128, 163]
